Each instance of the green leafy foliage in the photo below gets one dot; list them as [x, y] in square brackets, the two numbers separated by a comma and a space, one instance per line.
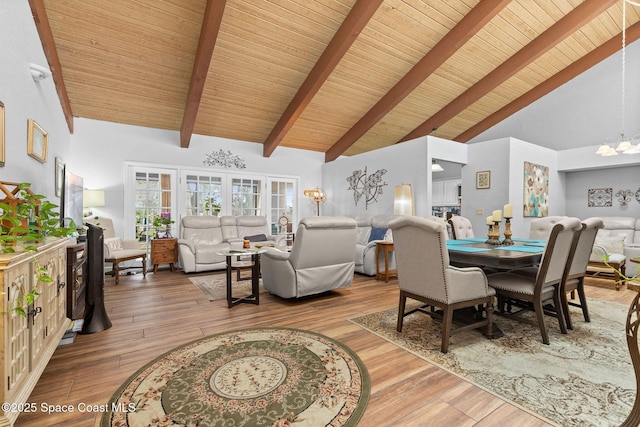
[25, 226]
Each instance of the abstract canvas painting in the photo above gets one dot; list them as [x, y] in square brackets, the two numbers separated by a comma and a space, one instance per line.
[536, 190]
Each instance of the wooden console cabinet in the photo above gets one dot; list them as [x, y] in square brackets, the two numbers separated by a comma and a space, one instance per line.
[28, 343]
[164, 251]
[76, 257]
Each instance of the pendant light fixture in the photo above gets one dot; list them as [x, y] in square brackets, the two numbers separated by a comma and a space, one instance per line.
[624, 144]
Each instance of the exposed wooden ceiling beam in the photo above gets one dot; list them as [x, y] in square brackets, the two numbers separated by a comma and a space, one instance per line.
[581, 65]
[447, 46]
[49, 47]
[208, 35]
[563, 28]
[358, 17]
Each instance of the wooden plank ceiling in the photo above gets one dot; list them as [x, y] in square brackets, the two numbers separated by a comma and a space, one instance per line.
[335, 76]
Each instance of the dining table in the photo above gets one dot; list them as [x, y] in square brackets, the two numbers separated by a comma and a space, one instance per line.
[476, 252]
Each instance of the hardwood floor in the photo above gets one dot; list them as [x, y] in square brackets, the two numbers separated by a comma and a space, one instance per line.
[153, 315]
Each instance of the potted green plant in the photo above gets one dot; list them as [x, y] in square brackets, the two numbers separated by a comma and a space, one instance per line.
[162, 224]
[26, 221]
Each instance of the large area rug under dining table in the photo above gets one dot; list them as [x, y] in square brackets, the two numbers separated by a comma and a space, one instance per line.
[249, 377]
[584, 378]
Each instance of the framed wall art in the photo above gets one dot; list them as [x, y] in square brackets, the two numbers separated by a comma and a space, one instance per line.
[37, 141]
[483, 179]
[536, 190]
[600, 197]
[59, 176]
[2, 134]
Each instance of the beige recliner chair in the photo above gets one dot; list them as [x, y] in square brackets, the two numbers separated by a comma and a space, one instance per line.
[321, 259]
[117, 250]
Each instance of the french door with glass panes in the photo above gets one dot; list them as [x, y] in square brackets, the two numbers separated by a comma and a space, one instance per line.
[282, 207]
[207, 193]
[203, 193]
[155, 202]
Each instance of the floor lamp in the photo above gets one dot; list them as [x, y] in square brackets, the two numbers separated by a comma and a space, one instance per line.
[317, 196]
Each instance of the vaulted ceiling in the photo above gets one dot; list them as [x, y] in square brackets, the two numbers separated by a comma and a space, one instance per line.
[335, 76]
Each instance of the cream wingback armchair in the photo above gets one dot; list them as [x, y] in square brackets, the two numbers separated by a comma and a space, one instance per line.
[321, 259]
[117, 250]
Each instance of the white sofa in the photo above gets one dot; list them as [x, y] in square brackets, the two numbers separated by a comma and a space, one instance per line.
[372, 228]
[202, 236]
[619, 241]
[365, 254]
[617, 227]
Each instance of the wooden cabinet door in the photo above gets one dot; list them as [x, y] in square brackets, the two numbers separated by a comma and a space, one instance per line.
[16, 329]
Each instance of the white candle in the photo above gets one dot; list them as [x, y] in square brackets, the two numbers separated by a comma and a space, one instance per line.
[497, 215]
[490, 220]
[508, 211]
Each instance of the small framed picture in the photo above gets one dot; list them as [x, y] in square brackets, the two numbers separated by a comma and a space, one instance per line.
[162, 235]
[59, 176]
[37, 141]
[483, 179]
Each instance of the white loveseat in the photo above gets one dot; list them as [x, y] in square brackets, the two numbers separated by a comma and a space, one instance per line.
[202, 236]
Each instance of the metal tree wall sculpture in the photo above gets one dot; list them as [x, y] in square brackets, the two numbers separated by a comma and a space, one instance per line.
[367, 186]
[225, 159]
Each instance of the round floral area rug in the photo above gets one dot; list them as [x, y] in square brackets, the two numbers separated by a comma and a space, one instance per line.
[250, 377]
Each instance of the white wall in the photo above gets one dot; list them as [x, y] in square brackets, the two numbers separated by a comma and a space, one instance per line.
[505, 158]
[583, 112]
[623, 178]
[406, 163]
[23, 99]
[100, 150]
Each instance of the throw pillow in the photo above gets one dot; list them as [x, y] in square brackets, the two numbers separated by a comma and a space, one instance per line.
[613, 244]
[113, 243]
[377, 234]
[256, 238]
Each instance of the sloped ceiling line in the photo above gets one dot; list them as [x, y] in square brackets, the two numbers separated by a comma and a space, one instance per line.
[356, 20]
[208, 36]
[592, 58]
[563, 28]
[49, 47]
[447, 46]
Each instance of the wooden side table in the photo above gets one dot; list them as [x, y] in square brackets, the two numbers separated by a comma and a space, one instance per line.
[384, 247]
[164, 251]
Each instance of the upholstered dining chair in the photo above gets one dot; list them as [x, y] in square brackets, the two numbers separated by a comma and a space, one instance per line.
[526, 292]
[461, 227]
[424, 274]
[577, 269]
[539, 228]
[117, 250]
